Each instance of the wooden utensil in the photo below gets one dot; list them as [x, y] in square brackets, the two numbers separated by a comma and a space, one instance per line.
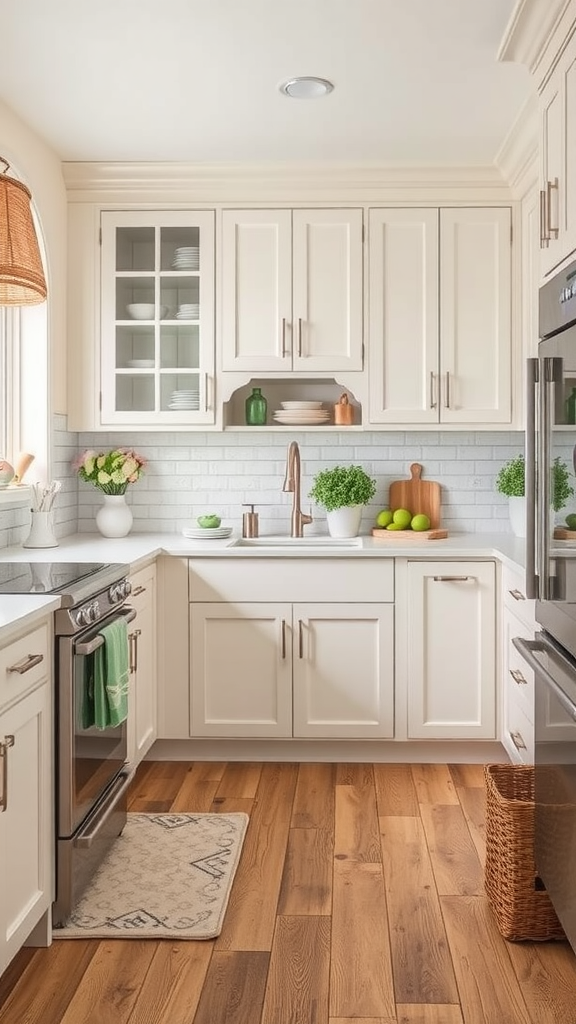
[417, 496]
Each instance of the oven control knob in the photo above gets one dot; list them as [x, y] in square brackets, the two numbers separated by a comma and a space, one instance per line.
[83, 617]
[115, 593]
[126, 588]
[95, 612]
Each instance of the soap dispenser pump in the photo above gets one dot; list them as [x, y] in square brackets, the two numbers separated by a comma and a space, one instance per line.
[249, 522]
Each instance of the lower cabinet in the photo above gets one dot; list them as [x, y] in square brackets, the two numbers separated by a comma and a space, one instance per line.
[26, 790]
[142, 701]
[451, 650]
[292, 670]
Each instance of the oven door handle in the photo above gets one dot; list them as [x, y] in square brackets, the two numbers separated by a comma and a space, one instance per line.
[129, 614]
[89, 833]
[526, 648]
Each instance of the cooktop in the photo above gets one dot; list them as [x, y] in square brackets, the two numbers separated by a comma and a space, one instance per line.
[47, 577]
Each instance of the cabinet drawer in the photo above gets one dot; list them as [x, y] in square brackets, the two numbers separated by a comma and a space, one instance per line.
[518, 676]
[285, 579]
[518, 735]
[24, 663]
[514, 596]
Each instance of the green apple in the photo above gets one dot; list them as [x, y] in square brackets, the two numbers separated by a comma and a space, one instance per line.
[384, 518]
[420, 522]
[571, 521]
[402, 517]
[209, 522]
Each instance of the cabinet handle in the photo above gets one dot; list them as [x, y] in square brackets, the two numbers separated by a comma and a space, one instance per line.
[300, 638]
[133, 638]
[447, 399]
[433, 402]
[543, 236]
[283, 335]
[26, 664]
[139, 590]
[517, 740]
[4, 747]
[206, 398]
[451, 579]
[283, 640]
[518, 677]
[517, 595]
[552, 232]
[300, 337]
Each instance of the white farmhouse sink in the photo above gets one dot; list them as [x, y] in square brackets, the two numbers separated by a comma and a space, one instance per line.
[298, 543]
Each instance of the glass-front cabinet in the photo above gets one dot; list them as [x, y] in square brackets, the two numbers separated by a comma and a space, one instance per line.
[157, 318]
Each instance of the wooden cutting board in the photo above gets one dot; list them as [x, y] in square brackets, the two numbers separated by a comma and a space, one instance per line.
[416, 495]
[408, 535]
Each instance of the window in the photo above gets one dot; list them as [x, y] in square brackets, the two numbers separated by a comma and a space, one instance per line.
[24, 386]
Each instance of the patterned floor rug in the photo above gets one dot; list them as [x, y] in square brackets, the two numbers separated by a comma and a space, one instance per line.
[167, 876]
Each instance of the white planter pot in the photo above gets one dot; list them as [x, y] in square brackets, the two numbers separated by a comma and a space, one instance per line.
[114, 519]
[344, 522]
[517, 514]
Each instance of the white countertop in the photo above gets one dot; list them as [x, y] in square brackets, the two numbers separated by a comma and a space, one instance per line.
[18, 610]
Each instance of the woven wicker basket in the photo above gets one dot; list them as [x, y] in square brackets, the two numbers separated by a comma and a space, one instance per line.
[522, 910]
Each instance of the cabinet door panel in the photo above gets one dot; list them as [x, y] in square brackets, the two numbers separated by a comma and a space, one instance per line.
[451, 652]
[475, 341]
[241, 675]
[327, 282]
[256, 290]
[142, 721]
[403, 316]
[568, 193]
[343, 670]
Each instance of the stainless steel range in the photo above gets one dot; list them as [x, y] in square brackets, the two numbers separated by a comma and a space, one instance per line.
[92, 777]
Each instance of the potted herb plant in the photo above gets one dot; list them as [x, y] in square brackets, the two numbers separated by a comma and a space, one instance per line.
[511, 481]
[342, 491]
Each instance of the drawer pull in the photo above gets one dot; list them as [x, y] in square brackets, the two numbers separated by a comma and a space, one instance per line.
[139, 590]
[518, 677]
[517, 595]
[4, 747]
[26, 664]
[451, 579]
[517, 741]
[283, 640]
[300, 638]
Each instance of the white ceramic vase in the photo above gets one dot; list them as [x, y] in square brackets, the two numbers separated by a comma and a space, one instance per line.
[344, 522]
[517, 514]
[114, 518]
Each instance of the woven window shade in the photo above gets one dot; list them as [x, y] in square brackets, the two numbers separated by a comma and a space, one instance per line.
[22, 281]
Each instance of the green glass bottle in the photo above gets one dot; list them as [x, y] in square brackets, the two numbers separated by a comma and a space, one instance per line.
[256, 409]
[571, 407]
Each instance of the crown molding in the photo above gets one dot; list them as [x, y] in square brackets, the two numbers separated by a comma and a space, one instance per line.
[530, 30]
[517, 158]
[263, 183]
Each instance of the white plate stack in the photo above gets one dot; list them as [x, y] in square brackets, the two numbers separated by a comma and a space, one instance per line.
[188, 311]
[187, 257]
[188, 398]
[301, 414]
[207, 533]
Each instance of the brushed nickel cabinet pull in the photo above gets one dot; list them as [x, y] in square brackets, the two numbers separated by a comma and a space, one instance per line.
[133, 638]
[451, 579]
[283, 335]
[26, 664]
[447, 401]
[518, 677]
[4, 747]
[517, 595]
[283, 640]
[206, 398]
[517, 740]
[433, 402]
[300, 638]
[552, 231]
[139, 590]
[543, 237]
[300, 337]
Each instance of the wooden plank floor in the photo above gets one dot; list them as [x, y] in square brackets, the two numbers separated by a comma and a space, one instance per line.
[358, 900]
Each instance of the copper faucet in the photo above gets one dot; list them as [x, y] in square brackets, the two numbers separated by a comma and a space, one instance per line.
[292, 484]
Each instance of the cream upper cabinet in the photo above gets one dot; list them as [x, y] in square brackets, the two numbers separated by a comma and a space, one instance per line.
[292, 290]
[157, 319]
[450, 650]
[558, 162]
[440, 316]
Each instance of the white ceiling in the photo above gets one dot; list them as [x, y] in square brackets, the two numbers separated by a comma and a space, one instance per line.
[197, 80]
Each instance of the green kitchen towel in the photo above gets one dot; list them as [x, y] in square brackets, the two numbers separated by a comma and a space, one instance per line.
[111, 672]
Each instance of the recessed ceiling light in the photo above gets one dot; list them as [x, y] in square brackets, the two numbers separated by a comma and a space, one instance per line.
[306, 88]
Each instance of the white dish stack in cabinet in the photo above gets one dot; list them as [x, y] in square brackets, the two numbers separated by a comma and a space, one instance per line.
[26, 790]
[142, 701]
[518, 696]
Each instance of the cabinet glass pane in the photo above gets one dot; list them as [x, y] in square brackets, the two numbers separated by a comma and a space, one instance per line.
[181, 296]
[134, 393]
[134, 249]
[135, 298]
[180, 392]
[135, 347]
[179, 248]
[180, 347]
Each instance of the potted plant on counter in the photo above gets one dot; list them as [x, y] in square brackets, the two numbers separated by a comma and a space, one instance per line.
[511, 481]
[342, 491]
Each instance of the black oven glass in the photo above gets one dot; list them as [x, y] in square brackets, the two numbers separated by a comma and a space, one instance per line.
[43, 577]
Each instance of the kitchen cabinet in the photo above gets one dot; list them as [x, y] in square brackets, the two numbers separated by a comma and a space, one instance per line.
[449, 640]
[142, 701]
[292, 290]
[26, 788]
[305, 666]
[517, 733]
[440, 338]
[557, 106]
[157, 319]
